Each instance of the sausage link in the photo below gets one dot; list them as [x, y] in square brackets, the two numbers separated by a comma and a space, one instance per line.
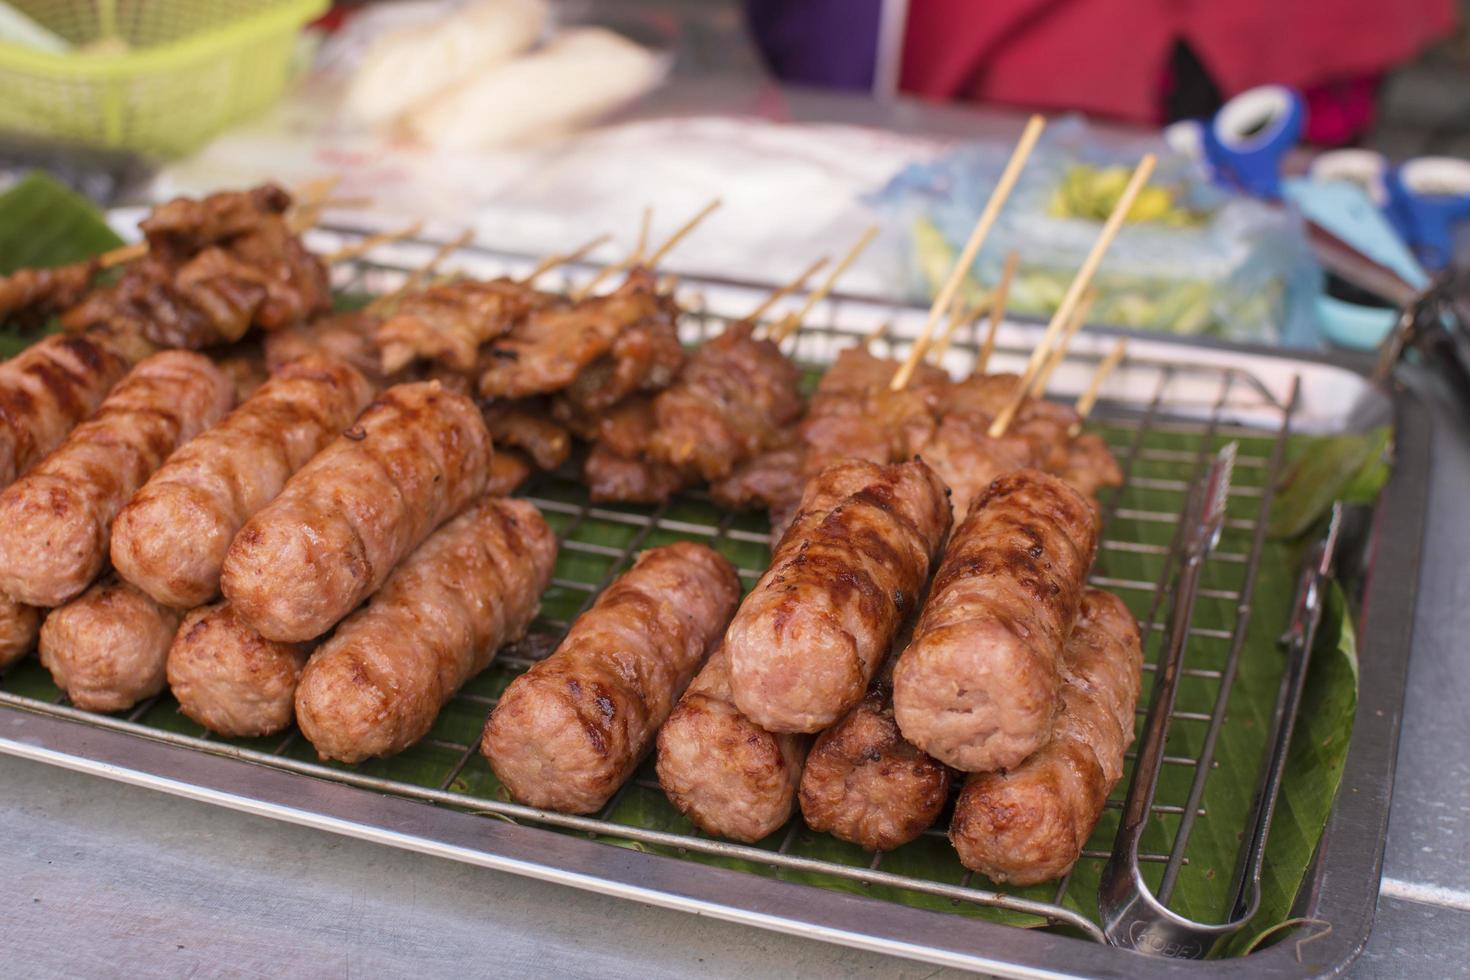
[229, 678]
[978, 686]
[1029, 825]
[377, 685]
[809, 638]
[19, 624]
[58, 517]
[866, 784]
[170, 540]
[415, 458]
[724, 772]
[107, 648]
[570, 730]
[48, 388]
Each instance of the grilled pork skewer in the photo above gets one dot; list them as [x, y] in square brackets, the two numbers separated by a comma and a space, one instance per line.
[58, 517]
[171, 538]
[415, 458]
[1029, 824]
[568, 732]
[377, 685]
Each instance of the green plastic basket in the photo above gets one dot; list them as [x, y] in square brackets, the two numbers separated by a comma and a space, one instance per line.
[159, 77]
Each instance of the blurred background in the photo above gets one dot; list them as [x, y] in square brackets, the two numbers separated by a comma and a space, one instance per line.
[536, 122]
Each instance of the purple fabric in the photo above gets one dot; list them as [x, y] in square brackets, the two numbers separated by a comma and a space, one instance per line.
[831, 43]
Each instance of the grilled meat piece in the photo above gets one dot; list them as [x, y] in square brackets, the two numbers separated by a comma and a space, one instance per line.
[229, 678]
[184, 226]
[527, 426]
[977, 688]
[52, 385]
[377, 685]
[735, 399]
[108, 647]
[58, 517]
[348, 337]
[508, 470]
[30, 297]
[1029, 824]
[815, 629]
[724, 772]
[770, 480]
[448, 322]
[19, 624]
[568, 732]
[415, 458]
[1090, 465]
[171, 538]
[611, 478]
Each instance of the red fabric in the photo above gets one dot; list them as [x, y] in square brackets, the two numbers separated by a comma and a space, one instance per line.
[1109, 56]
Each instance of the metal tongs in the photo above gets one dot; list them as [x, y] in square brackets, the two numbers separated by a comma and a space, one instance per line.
[1133, 916]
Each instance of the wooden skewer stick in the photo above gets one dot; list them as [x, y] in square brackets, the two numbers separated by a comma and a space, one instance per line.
[1088, 398]
[682, 232]
[874, 334]
[793, 320]
[122, 254]
[417, 277]
[635, 257]
[1073, 296]
[1001, 296]
[988, 216]
[564, 258]
[782, 291]
[1059, 353]
[644, 224]
[360, 248]
[961, 316]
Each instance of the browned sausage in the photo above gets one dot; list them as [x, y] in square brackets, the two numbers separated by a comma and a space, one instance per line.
[724, 772]
[416, 457]
[809, 638]
[58, 517]
[1029, 824]
[570, 730]
[51, 386]
[107, 648]
[170, 540]
[866, 784]
[376, 686]
[231, 679]
[977, 688]
[19, 624]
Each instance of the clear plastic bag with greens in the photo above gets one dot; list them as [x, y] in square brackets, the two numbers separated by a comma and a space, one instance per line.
[1192, 259]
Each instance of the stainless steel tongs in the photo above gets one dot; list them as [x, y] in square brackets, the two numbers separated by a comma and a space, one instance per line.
[1132, 915]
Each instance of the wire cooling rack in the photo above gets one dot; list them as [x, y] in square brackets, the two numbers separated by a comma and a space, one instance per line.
[1163, 420]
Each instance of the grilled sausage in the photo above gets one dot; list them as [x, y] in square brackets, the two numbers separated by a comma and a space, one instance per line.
[51, 386]
[1029, 824]
[19, 624]
[171, 538]
[977, 688]
[570, 730]
[229, 678]
[377, 685]
[724, 772]
[107, 648]
[809, 638]
[866, 784]
[58, 517]
[416, 457]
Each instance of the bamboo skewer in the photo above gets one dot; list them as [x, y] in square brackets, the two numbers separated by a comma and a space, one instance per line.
[988, 216]
[961, 316]
[1073, 296]
[1088, 399]
[682, 232]
[636, 257]
[782, 291]
[363, 246]
[1059, 352]
[416, 278]
[1001, 296]
[874, 334]
[792, 321]
[564, 258]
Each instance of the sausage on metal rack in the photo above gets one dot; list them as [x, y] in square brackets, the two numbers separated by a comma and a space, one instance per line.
[568, 732]
[377, 685]
[52, 385]
[107, 648]
[978, 687]
[1029, 825]
[58, 517]
[171, 538]
[19, 624]
[229, 678]
[415, 458]
[724, 772]
[815, 629]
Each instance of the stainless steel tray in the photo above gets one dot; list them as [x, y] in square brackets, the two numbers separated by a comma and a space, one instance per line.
[1200, 394]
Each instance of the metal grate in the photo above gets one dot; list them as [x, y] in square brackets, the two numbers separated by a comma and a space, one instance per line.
[1163, 421]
